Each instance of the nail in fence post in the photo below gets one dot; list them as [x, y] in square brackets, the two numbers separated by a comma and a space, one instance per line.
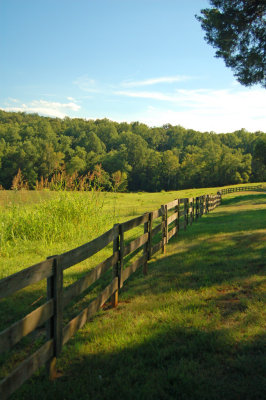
[54, 327]
[114, 298]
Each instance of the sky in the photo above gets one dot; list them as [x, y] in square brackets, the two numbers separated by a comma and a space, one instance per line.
[125, 60]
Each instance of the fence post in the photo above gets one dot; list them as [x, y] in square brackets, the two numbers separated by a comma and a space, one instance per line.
[114, 298]
[146, 247]
[199, 206]
[150, 235]
[166, 223]
[54, 326]
[185, 214]
[193, 211]
[163, 228]
[207, 204]
[219, 197]
[177, 219]
[121, 256]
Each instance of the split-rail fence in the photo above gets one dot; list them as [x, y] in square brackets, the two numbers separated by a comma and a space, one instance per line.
[163, 223]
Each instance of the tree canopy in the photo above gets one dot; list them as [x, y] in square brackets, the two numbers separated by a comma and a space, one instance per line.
[237, 28]
[125, 155]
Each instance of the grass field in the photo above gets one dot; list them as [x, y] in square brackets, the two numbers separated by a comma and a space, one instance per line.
[194, 328]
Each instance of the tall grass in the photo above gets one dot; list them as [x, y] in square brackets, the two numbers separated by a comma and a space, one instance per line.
[193, 328]
[64, 217]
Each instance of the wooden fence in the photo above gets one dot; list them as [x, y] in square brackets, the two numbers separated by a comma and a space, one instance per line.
[257, 188]
[159, 227]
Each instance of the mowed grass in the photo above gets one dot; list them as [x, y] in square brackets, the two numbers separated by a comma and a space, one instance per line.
[38, 224]
[193, 328]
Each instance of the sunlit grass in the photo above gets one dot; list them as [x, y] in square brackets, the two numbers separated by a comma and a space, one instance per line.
[194, 328]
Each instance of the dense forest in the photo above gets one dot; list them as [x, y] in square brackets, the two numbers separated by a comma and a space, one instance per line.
[127, 156]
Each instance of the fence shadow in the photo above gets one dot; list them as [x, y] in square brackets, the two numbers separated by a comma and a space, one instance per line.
[229, 253]
[171, 363]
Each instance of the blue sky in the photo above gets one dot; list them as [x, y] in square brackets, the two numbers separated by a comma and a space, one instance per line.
[126, 60]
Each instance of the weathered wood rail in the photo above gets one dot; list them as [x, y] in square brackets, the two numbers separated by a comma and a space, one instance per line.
[257, 188]
[161, 224]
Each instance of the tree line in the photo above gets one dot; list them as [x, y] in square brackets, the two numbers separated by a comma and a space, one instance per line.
[125, 156]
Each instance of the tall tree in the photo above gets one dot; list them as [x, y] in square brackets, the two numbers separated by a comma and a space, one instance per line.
[237, 28]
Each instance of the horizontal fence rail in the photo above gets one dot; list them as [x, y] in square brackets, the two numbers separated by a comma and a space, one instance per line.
[159, 227]
[258, 188]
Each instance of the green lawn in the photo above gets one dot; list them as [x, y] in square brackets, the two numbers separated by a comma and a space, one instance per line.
[193, 328]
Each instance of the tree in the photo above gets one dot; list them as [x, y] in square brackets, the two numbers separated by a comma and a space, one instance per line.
[237, 28]
[259, 160]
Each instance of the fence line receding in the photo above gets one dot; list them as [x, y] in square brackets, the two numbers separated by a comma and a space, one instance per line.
[159, 227]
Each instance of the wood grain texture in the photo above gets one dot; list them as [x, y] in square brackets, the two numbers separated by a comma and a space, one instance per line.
[132, 223]
[86, 281]
[26, 277]
[80, 320]
[172, 218]
[80, 253]
[12, 335]
[136, 243]
[25, 370]
[156, 214]
[172, 232]
[133, 267]
[156, 247]
[172, 204]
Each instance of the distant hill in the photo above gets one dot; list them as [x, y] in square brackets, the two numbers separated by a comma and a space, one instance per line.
[151, 159]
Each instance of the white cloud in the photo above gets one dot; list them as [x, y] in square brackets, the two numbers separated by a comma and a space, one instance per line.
[155, 81]
[43, 107]
[205, 109]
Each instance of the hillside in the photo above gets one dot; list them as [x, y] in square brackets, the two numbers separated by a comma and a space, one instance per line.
[123, 155]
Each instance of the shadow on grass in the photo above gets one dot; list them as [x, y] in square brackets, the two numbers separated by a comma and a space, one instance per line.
[173, 363]
[248, 197]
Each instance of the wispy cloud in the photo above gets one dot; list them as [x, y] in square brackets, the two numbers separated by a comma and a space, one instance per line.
[43, 107]
[87, 84]
[145, 95]
[12, 100]
[204, 109]
[155, 81]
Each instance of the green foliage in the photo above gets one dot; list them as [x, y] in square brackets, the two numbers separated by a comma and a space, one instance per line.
[237, 29]
[59, 219]
[193, 328]
[148, 159]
